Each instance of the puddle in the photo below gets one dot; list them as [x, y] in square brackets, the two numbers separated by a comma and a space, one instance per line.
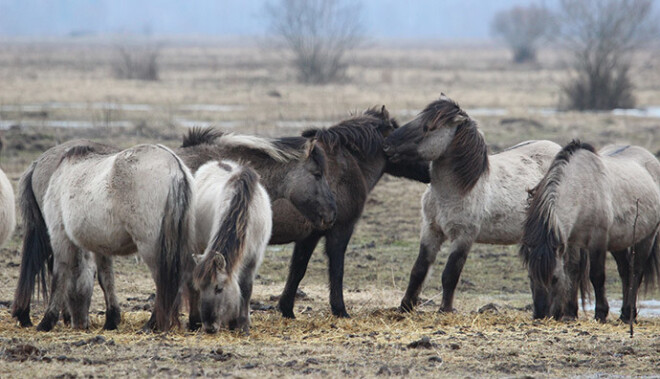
[212, 107]
[645, 308]
[6, 124]
[118, 106]
[650, 112]
[205, 124]
[302, 124]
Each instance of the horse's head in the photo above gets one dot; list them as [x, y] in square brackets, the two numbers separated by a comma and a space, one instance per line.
[308, 188]
[220, 295]
[430, 134]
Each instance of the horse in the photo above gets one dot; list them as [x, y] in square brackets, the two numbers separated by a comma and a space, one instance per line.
[37, 253]
[588, 203]
[473, 197]
[7, 209]
[233, 222]
[139, 199]
[355, 163]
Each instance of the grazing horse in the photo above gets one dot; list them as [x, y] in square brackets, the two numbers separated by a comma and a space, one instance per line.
[586, 204]
[7, 209]
[233, 224]
[139, 199]
[473, 197]
[355, 163]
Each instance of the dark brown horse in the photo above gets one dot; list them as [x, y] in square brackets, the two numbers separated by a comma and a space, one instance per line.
[355, 162]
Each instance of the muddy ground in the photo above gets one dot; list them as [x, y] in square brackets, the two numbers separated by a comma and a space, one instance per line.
[492, 334]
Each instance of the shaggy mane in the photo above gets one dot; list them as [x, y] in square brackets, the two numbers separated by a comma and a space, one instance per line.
[360, 134]
[199, 136]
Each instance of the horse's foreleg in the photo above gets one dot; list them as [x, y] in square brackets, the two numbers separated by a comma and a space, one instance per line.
[430, 243]
[245, 283]
[302, 252]
[336, 242]
[195, 317]
[107, 283]
[452, 272]
[597, 277]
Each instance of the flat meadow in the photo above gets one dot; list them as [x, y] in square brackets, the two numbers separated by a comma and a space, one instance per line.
[55, 90]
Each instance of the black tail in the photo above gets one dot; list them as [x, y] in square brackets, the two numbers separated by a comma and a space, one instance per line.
[230, 238]
[37, 250]
[652, 266]
[175, 248]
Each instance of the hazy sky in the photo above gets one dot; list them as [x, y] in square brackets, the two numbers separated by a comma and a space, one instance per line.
[382, 18]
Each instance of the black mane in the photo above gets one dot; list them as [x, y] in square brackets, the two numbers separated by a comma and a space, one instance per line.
[198, 136]
[360, 135]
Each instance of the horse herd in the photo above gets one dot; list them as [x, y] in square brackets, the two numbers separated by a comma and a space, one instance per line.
[201, 215]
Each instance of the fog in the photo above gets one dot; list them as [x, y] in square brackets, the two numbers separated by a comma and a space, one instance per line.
[437, 19]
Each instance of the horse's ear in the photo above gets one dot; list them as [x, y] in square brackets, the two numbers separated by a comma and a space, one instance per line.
[219, 261]
[310, 146]
[384, 112]
[197, 258]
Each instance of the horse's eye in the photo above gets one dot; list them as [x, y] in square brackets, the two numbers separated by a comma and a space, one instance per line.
[554, 280]
[318, 176]
[218, 290]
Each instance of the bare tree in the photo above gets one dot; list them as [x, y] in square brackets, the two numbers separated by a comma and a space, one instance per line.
[319, 33]
[136, 62]
[522, 28]
[602, 36]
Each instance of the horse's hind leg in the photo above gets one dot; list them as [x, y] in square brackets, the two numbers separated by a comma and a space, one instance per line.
[107, 283]
[79, 291]
[302, 252]
[63, 256]
[430, 242]
[597, 277]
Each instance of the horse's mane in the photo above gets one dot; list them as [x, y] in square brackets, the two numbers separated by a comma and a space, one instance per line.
[81, 151]
[283, 149]
[360, 134]
[468, 151]
[541, 234]
[198, 136]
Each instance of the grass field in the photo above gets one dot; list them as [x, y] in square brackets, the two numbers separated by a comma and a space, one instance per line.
[53, 91]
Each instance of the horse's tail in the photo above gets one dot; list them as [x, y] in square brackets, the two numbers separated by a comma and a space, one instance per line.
[37, 250]
[541, 234]
[651, 275]
[231, 237]
[175, 246]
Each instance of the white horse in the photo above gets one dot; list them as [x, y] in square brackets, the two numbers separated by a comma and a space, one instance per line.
[473, 197]
[7, 209]
[233, 226]
[139, 199]
[586, 204]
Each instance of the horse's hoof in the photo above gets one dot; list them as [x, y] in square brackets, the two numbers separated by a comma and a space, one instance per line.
[47, 323]
[407, 306]
[341, 314]
[447, 310]
[286, 311]
[112, 319]
[23, 318]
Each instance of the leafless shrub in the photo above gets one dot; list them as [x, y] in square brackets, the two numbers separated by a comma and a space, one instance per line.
[602, 36]
[319, 33]
[522, 28]
[136, 62]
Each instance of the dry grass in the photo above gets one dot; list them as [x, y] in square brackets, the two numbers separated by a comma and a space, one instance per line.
[264, 99]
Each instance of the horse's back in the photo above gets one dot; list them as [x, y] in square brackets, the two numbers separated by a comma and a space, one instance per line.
[512, 173]
[7, 208]
[634, 175]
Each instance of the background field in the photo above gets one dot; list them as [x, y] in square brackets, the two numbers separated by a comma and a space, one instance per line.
[56, 90]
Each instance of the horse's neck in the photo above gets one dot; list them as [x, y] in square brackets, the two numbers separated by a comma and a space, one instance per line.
[444, 179]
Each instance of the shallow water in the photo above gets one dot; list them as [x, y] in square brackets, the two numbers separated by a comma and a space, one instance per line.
[645, 308]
